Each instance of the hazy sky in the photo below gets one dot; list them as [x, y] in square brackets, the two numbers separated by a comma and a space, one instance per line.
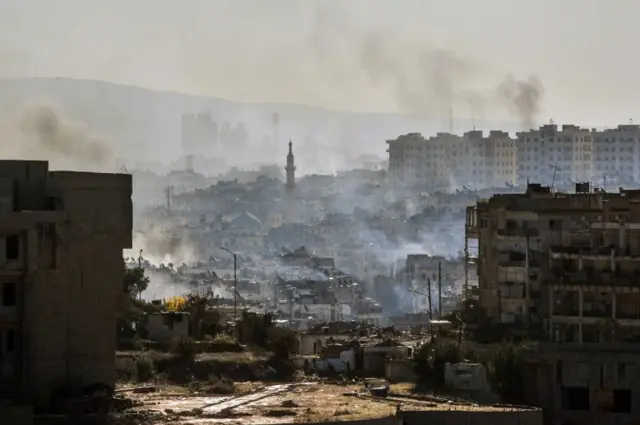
[369, 55]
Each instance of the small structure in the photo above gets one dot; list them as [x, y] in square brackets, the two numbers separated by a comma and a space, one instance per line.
[466, 376]
[376, 356]
[165, 326]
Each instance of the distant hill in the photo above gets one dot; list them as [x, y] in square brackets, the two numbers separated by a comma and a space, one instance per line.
[144, 125]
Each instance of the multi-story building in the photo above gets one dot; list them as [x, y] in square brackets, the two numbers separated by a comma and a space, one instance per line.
[199, 134]
[61, 273]
[451, 161]
[568, 263]
[501, 157]
[553, 156]
[616, 155]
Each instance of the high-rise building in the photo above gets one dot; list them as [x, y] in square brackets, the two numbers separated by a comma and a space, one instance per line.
[616, 155]
[554, 156]
[199, 135]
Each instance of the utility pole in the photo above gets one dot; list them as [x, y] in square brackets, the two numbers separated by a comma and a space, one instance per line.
[168, 192]
[430, 309]
[235, 281]
[440, 289]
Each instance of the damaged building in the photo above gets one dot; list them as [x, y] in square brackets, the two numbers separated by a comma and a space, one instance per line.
[61, 240]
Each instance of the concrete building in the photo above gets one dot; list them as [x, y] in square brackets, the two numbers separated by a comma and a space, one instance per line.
[616, 155]
[448, 160]
[568, 263]
[61, 271]
[554, 156]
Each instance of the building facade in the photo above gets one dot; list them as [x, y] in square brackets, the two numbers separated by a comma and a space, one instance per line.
[451, 161]
[568, 263]
[616, 155]
[61, 273]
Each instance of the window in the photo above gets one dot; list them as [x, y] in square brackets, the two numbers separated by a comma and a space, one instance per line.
[9, 295]
[11, 340]
[13, 247]
[575, 398]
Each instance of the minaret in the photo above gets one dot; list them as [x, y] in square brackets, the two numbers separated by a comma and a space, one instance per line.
[290, 169]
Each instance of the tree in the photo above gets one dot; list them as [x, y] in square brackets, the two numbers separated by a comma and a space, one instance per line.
[135, 282]
[506, 373]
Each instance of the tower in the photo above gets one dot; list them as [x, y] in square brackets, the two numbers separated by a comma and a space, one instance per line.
[290, 169]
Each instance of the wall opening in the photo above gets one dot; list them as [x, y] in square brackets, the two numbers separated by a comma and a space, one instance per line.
[575, 398]
[9, 295]
[12, 247]
[621, 401]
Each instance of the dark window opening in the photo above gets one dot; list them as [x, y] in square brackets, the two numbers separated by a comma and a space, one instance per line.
[621, 401]
[9, 295]
[10, 340]
[575, 398]
[559, 372]
[13, 247]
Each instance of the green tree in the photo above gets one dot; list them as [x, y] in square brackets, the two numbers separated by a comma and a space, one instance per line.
[506, 373]
[135, 282]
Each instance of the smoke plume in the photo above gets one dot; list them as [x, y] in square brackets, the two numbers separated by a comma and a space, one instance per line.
[524, 98]
[42, 131]
[418, 76]
[46, 129]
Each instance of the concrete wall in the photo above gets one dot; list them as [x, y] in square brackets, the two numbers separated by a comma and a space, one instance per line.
[399, 370]
[16, 415]
[434, 417]
[70, 274]
[470, 417]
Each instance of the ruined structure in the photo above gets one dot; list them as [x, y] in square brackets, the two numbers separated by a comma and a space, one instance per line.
[567, 265]
[61, 273]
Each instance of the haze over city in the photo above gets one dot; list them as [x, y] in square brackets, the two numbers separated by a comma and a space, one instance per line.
[315, 52]
[319, 211]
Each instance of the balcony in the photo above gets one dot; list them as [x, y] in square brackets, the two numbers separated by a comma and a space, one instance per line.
[518, 232]
[593, 277]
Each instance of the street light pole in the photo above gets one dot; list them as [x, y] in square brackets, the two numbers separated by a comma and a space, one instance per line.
[235, 281]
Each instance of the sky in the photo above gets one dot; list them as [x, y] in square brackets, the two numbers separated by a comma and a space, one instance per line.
[356, 55]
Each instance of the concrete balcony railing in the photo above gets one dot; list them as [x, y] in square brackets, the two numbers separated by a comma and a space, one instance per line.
[590, 277]
[519, 231]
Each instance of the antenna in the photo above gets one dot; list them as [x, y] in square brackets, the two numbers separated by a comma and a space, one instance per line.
[553, 178]
[168, 192]
[451, 120]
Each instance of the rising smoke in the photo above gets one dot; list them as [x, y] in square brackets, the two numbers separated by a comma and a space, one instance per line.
[420, 77]
[42, 131]
[524, 98]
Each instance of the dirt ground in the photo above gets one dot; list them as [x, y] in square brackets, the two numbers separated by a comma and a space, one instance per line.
[254, 403]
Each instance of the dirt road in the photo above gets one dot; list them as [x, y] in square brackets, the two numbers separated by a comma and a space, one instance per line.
[228, 404]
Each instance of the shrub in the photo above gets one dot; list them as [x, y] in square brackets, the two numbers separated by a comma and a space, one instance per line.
[506, 373]
[222, 385]
[430, 360]
[183, 347]
[144, 368]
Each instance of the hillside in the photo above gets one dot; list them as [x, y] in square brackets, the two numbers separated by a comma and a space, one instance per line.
[144, 125]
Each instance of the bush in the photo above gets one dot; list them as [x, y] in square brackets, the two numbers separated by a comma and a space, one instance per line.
[144, 368]
[430, 360]
[224, 386]
[183, 347]
[506, 373]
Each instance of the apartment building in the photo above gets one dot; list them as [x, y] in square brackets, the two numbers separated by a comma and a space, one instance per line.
[565, 263]
[61, 273]
[554, 156]
[616, 155]
[448, 160]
